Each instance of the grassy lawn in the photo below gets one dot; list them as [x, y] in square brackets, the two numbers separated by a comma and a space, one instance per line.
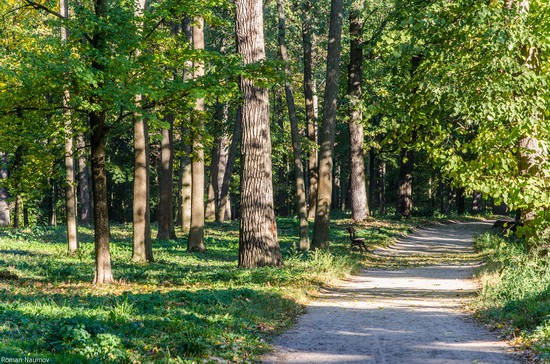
[184, 307]
[516, 292]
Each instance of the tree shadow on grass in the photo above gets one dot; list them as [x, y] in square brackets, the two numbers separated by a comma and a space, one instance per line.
[225, 323]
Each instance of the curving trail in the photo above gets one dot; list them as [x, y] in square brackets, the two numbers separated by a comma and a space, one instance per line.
[410, 315]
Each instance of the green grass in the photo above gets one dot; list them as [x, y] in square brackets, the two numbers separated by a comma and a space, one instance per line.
[183, 308]
[516, 292]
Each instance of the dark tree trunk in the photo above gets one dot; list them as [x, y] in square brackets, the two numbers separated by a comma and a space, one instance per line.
[405, 183]
[372, 177]
[301, 203]
[165, 208]
[17, 212]
[25, 216]
[224, 191]
[311, 112]
[321, 227]
[196, 232]
[460, 201]
[359, 201]
[84, 182]
[4, 206]
[103, 272]
[258, 245]
[382, 186]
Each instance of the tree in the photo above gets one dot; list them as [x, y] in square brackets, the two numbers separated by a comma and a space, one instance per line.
[301, 200]
[4, 207]
[196, 231]
[84, 181]
[358, 187]
[311, 107]
[165, 207]
[70, 190]
[258, 245]
[321, 227]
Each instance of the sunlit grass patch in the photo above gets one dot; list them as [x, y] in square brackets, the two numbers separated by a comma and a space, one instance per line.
[183, 307]
[516, 292]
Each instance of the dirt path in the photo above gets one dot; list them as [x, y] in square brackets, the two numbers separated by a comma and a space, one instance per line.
[409, 315]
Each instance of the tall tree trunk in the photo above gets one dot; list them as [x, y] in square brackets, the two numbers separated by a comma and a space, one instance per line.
[321, 227]
[311, 115]
[25, 216]
[210, 206]
[103, 272]
[222, 160]
[301, 202]
[196, 232]
[165, 208]
[185, 187]
[382, 186]
[52, 201]
[405, 183]
[185, 178]
[4, 206]
[142, 246]
[224, 191]
[98, 128]
[460, 202]
[70, 193]
[84, 182]
[359, 201]
[258, 245]
[17, 212]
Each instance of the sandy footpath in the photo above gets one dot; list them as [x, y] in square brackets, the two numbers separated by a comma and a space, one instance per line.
[397, 316]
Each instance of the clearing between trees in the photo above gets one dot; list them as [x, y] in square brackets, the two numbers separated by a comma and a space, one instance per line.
[401, 315]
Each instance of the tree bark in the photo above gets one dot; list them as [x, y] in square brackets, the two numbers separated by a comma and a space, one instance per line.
[17, 212]
[70, 193]
[311, 112]
[359, 200]
[84, 182]
[321, 227]
[258, 245]
[185, 161]
[52, 213]
[196, 232]
[4, 206]
[165, 208]
[224, 192]
[98, 128]
[460, 202]
[103, 272]
[142, 246]
[301, 200]
[405, 183]
[382, 186]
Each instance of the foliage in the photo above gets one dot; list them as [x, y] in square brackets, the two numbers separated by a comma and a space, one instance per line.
[516, 291]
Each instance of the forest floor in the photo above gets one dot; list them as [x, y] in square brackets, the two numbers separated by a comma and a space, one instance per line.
[413, 312]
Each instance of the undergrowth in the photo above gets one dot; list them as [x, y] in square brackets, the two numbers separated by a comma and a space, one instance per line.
[516, 292]
[182, 308]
